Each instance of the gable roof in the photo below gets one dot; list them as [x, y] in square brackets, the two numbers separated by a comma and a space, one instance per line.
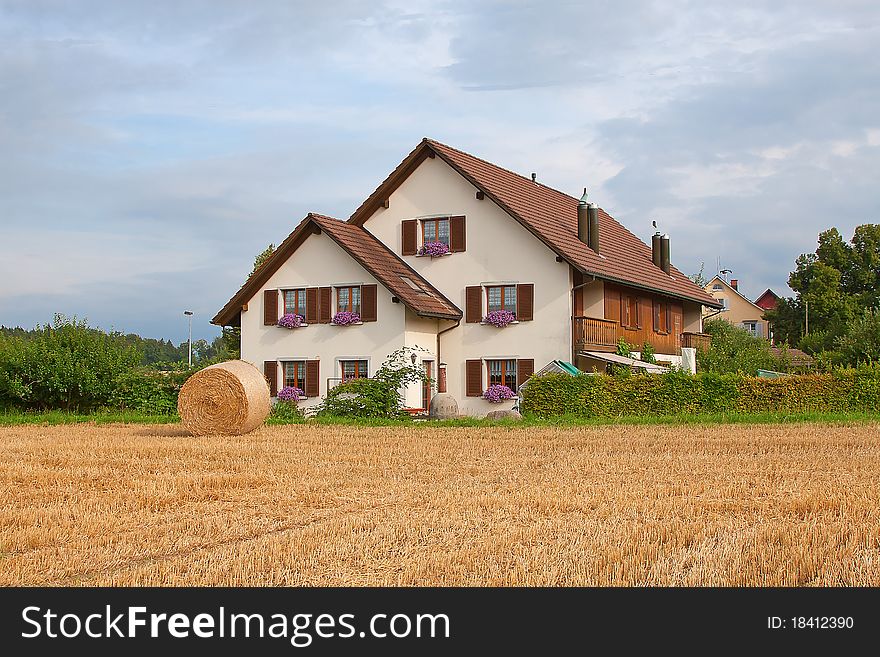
[368, 251]
[718, 279]
[551, 216]
[767, 300]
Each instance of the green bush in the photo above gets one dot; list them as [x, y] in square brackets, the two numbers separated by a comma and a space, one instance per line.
[286, 412]
[678, 393]
[378, 397]
[65, 365]
[146, 390]
[733, 349]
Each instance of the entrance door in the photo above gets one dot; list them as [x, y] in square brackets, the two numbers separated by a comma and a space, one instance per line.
[426, 385]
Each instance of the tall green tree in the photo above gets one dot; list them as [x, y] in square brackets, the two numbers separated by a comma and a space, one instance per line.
[263, 257]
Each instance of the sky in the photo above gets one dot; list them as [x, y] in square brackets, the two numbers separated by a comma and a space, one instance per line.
[150, 150]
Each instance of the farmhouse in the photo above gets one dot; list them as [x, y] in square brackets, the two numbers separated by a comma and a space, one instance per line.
[487, 272]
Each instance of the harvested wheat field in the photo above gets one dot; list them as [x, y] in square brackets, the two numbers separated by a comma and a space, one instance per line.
[334, 505]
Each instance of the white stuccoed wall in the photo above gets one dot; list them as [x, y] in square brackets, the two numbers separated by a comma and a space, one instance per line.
[320, 262]
[499, 250]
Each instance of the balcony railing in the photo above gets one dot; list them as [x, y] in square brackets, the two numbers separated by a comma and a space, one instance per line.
[696, 340]
[593, 332]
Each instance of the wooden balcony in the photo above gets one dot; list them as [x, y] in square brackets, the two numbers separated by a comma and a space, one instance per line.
[594, 333]
[696, 340]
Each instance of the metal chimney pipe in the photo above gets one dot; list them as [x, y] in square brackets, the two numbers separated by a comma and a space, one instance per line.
[655, 248]
[583, 219]
[664, 253]
[593, 233]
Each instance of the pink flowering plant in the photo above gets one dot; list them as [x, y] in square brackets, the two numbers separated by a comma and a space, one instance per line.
[290, 394]
[291, 321]
[497, 393]
[499, 318]
[434, 249]
[346, 318]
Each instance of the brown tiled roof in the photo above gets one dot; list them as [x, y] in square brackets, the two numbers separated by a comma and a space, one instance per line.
[552, 217]
[368, 251]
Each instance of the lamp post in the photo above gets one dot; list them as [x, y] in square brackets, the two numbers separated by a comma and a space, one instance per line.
[189, 315]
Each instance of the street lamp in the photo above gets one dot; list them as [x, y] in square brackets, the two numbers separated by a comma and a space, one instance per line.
[189, 314]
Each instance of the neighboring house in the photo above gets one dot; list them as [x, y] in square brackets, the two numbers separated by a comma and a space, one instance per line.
[767, 300]
[576, 280]
[737, 308]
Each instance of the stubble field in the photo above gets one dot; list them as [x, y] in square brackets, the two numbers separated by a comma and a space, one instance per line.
[336, 505]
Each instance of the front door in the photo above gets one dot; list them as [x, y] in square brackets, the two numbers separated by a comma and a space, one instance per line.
[426, 384]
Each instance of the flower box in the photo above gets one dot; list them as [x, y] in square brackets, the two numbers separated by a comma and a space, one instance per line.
[434, 249]
[290, 394]
[346, 318]
[500, 318]
[497, 393]
[291, 321]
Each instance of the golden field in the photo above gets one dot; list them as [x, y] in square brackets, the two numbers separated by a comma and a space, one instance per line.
[335, 505]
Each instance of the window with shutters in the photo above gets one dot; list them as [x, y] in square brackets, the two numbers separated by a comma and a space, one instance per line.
[294, 373]
[661, 317]
[501, 297]
[295, 302]
[348, 299]
[502, 372]
[435, 230]
[353, 369]
[629, 312]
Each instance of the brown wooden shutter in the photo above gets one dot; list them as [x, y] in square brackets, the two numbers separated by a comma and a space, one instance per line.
[457, 240]
[311, 305]
[525, 367]
[270, 307]
[473, 304]
[368, 303]
[325, 302]
[525, 302]
[313, 380]
[474, 378]
[408, 230]
[270, 371]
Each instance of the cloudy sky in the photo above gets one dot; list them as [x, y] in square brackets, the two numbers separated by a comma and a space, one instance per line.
[151, 149]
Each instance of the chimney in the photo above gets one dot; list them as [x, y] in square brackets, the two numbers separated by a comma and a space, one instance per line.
[583, 219]
[664, 253]
[655, 249]
[593, 234]
[734, 283]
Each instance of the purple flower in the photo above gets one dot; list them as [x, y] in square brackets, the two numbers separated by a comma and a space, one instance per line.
[290, 393]
[434, 249]
[345, 318]
[499, 318]
[290, 321]
[497, 393]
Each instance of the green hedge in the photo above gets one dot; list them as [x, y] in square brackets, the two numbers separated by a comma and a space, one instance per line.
[678, 393]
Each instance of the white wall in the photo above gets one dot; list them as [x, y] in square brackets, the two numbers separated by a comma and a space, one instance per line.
[498, 250]
[321, 262]
[421, 334]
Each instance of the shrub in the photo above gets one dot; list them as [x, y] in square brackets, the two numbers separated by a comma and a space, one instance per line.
[286, 412]
[648, 353]
[734, 349]
[380, 396]
[677, 393]
[65, 365]
[497, 393]
[146, 390]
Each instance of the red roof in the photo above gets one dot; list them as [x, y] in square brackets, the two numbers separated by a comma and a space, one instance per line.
[368, 251]
[552, 217]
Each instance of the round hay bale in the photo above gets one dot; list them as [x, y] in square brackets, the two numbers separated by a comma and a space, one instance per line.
[229, 398]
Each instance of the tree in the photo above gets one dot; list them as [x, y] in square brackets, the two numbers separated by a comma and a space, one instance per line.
[700, 278]
[263, 257]
[861, 343]
[734, 349]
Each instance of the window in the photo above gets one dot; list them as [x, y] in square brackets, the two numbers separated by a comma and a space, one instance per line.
[717, 287]
[502, 372]
[435, 230]
[353, 369]
[724, 303]
[295, 373]
[295, 302]
[754, 327]
[348, 299]
[662, 318]
[629, 312]
[501, 297]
